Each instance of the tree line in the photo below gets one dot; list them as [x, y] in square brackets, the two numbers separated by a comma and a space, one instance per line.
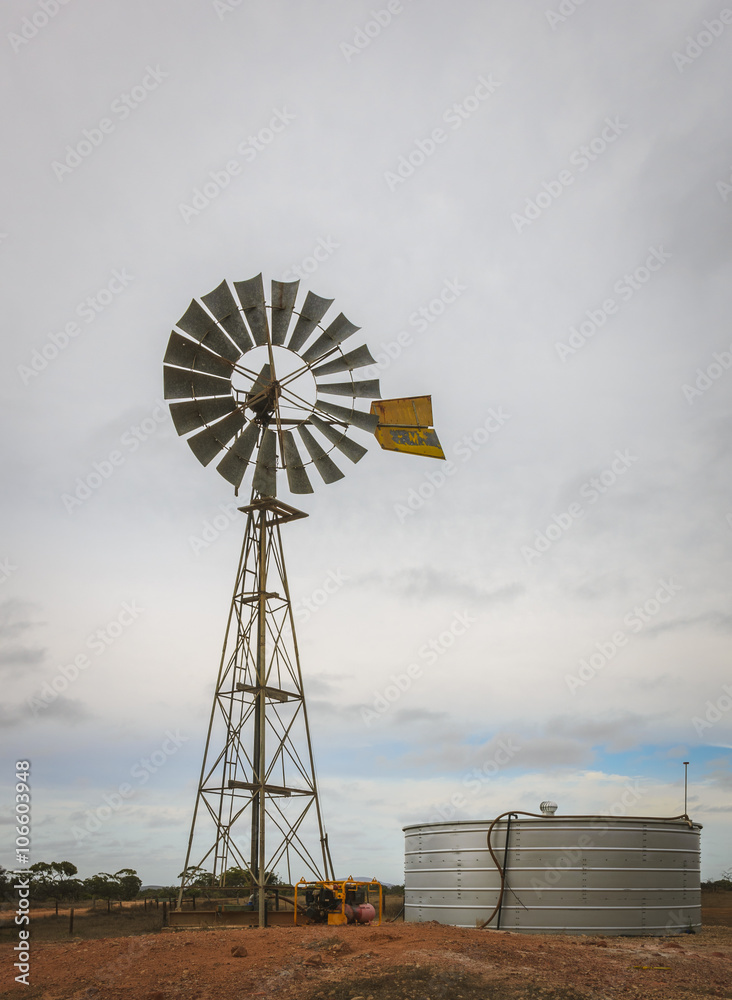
[57, 880]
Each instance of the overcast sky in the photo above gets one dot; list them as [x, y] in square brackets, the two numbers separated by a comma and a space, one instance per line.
[527, 212]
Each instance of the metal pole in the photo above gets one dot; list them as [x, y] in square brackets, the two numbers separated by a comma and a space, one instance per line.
[259, 749]
[686, 777]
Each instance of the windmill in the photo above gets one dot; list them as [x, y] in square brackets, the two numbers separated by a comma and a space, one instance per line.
[244, 378]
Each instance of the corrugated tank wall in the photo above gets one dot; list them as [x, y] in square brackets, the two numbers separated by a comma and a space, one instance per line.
[563, 874]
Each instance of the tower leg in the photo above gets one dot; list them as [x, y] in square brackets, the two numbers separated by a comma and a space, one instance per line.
[257, 807]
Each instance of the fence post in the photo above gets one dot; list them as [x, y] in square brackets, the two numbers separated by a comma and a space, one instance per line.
[165, 914]
[71, 920]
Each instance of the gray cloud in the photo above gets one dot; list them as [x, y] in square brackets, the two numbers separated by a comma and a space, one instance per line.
[70, 401]
[16, 617]
[428, 583]
[21, 656]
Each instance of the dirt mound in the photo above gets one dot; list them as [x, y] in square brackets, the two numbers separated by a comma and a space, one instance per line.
[393, 962]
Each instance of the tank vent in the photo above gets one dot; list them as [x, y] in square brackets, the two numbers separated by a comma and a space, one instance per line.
[548, 808]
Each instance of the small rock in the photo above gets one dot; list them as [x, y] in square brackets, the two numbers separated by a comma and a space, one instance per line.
[239, 951]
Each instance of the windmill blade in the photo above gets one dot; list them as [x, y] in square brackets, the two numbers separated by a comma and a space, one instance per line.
[251, 296]
[329, 471]
[284, 294]
[197, 322]
[366, 421]
[194, 413]
[297, 477]
[313, 310]
[351, 449]
[337, 332]
[265, 473]
[225, 308]
[188, 354]
[181, 384]
[211, 440]
[369, 389]
[234, 463]
[347, 362]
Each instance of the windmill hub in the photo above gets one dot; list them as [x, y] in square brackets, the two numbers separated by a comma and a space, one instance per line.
[292, 390]
[262, 400]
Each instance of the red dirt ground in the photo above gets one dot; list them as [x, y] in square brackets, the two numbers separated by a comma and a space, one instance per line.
[393, 962]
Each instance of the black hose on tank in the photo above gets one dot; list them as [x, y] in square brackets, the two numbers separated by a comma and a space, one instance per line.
[520, 812]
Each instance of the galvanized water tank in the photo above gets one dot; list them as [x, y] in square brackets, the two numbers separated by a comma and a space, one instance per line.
[563, 874]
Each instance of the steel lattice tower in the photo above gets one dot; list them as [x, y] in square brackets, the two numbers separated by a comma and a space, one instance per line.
[258, 773]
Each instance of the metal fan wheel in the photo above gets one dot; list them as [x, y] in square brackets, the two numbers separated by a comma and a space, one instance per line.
[247, 376]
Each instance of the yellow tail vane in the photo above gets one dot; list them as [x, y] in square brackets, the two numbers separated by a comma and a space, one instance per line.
[406, 425]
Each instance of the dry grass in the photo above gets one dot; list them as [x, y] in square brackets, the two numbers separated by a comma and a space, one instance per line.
[91, 923]
[409, 982]
[127, 921]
